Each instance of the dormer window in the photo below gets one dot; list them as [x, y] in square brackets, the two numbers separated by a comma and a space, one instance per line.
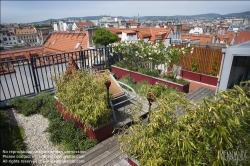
[77, 45]
[54, 41]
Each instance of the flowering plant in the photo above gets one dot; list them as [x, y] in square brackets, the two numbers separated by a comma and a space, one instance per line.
[141, 55]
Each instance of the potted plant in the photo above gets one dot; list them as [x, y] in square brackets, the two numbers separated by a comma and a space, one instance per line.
[82, 97]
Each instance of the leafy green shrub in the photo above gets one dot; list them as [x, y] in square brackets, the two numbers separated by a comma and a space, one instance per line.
[67, 134]
[194, 65]
[182, 81]
[85, 96]
[133, 84]
[153, 72]
[214, 67]
[21, 104]
[48, 107]
[11, 136]
[28, 106]
[200, 136]
[171, 77]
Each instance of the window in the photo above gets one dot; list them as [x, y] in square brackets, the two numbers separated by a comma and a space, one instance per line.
[3, 33]
[77, 45]
[7, 43]
[10, 42]
[14, 42]
[14, 38]
[240, 70]
[54, 41]
[9, 38]
[5, 39]
[0, 41]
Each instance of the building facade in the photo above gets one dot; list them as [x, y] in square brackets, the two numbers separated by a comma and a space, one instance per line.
[27, 36]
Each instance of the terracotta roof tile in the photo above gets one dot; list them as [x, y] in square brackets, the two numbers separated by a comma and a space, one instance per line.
[242, 37]
[20, 53]
[65, 42]
[81, 24]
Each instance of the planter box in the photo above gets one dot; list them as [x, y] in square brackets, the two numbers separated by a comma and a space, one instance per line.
[101, 133]
[191, 75]
[207, 79]
[132, 162]
[203, 78]
[120, 72]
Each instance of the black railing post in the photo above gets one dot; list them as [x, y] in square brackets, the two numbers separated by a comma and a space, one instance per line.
[32, 59]
[81, 57]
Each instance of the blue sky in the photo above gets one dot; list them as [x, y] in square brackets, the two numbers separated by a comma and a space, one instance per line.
[31, 11]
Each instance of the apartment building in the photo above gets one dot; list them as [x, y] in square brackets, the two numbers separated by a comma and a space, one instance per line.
[43, 32]
[63, 25]
[8, 39]
[27, 36]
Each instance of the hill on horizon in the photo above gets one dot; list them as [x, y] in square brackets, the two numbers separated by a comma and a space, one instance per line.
[201, 16]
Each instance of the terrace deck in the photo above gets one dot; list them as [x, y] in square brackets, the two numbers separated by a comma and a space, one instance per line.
[107, 153]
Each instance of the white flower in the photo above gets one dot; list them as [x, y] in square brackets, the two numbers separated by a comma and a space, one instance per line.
[188, 44]
[192, 48]
[150, 58]
[183, 52]
[182, 48]
[191, 52]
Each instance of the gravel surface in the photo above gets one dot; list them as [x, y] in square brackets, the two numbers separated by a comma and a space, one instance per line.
[36, 139]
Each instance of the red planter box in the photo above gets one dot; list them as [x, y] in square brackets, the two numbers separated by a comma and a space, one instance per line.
[132, 162]
[207, 79]
[101, 133]
[191, 75]
[120, 72]
[211, 80]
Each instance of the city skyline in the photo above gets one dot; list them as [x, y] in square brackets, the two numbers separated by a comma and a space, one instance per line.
[33, 11]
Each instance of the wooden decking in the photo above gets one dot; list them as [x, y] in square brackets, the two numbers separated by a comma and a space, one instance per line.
[106, 153]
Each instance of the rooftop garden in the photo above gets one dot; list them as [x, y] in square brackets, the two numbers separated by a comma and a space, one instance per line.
[212, 132]
[150, 59]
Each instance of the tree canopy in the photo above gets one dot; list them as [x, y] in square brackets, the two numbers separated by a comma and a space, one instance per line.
[104, 37]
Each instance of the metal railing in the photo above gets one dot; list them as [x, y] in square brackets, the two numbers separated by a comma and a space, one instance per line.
[24, 77]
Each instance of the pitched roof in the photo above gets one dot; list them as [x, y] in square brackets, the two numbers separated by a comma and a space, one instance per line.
[203, 38]
[131, 22]
[81, 24]
[25, 30]
[120, 30]
[152, 33]
[65, 42]
[14, 54]
[227, 37]
[242, 37]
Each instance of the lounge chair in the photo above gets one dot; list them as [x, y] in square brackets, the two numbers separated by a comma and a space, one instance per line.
[118, 92]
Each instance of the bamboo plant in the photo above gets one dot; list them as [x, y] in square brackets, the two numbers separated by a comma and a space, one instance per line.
[84, 95]
[207, 133]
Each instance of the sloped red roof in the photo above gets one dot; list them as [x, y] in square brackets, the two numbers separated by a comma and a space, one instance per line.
[65, 42]
[242, 37]
[81, 24]
[131, 22]
[20, 53]
[203, 38]
[152, 33]
[226, 37]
